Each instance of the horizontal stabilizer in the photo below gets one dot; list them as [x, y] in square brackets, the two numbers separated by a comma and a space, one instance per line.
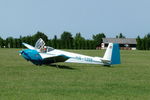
[105, 60]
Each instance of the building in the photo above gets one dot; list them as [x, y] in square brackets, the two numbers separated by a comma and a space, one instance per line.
[124, 43]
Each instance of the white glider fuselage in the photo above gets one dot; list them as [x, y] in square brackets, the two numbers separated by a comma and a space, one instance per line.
[73, 57]
[41, 54]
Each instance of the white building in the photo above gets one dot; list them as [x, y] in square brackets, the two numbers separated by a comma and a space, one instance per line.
[124, 43]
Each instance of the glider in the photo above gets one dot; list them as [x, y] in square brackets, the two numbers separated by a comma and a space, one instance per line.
[41, 54]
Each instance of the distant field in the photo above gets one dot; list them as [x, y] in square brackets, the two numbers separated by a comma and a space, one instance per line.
[21, 80]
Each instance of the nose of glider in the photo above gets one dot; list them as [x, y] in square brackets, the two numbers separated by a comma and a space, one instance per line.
[21, 51]
[31, 55]
[25, 54]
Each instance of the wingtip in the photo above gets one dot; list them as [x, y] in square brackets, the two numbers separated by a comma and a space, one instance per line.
[23, 43]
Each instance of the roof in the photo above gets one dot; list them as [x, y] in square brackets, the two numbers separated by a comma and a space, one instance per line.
[120, 40]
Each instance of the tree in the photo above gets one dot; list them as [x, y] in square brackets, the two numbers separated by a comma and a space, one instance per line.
[10, 42]
[39, 35]
[90, 44]
[139, 43]
[120, 36]
[98, 39]
[20, 42]
[79, 41]
[15, 43]
[49, 43]
[86, 44]
[67, 40]
[143, 43]
[1, 42]
[28, 39]
[59, 43]
[54, 42]
[147, 41]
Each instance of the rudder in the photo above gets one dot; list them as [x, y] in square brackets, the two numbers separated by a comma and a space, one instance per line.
[115, 59]
[112, 53]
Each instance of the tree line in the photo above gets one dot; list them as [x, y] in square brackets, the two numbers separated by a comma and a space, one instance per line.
[66, 41]
[143, 43]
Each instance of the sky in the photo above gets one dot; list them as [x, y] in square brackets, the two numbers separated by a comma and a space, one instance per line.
[53, 17]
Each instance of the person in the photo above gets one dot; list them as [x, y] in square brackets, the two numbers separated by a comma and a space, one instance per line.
[45, 49]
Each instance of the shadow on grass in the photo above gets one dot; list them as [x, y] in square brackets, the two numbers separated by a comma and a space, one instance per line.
[61, 66]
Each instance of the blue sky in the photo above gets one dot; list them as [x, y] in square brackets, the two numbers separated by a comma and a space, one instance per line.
[26, 17]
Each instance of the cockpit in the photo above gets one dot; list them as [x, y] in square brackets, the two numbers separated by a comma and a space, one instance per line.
[46, 49]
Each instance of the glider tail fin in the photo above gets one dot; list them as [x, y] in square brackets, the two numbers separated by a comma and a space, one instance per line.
[112, 53]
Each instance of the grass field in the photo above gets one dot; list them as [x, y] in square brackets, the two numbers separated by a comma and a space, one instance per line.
[21, 80]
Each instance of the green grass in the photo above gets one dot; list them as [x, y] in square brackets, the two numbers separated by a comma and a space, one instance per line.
[21, 80]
